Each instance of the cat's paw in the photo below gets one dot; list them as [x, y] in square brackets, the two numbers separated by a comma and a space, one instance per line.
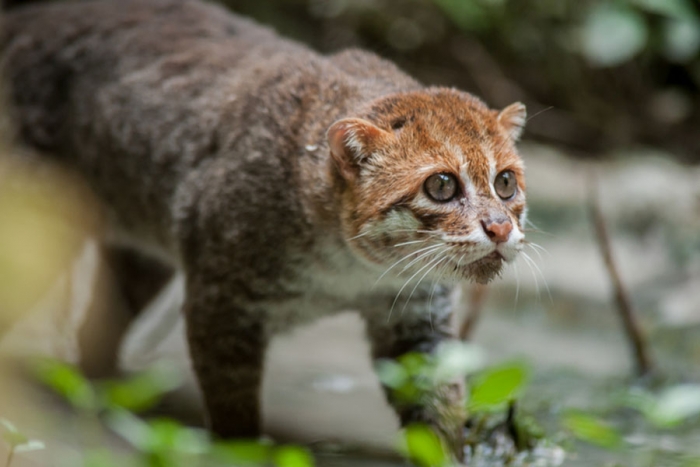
[443, 409]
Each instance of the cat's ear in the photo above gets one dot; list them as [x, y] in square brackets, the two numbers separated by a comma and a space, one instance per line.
[351, 141]
[513, 119]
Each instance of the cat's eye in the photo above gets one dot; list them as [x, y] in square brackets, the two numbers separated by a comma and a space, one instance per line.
[505, 184]
[441, 187]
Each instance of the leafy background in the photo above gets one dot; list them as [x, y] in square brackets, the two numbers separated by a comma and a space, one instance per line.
[615, 73]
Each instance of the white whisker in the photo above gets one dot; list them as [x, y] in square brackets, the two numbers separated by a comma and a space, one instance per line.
[517, 286]
[537, 246]
[429, 232]
[411, 242]
[537, 252]
[403, 259]
[436, 281]
[415, 260]
[544, 281]
[409, 280]
[532, 224]
[424, 232]
[528, 261]
[360, 235]
[440, 259]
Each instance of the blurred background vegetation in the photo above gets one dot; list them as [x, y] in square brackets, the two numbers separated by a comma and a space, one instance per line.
[611, 73]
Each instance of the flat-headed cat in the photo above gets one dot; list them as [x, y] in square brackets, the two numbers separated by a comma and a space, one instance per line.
[286, 184]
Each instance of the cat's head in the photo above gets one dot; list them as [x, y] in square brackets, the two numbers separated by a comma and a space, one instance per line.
[432, 184]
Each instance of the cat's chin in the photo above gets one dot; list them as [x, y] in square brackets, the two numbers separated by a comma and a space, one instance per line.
[486, 269]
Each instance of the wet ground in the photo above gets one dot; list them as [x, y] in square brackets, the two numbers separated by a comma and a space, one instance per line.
[558, 315]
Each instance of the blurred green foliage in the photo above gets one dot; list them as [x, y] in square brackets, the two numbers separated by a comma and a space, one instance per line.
[493, 391]
[616, 73]
[423, 446]
[670, 407]
[156, 442]
[68, 382]
[589, 428]
[141, 391]
[17, 441]
[493, 388]
[607, 33]
[413, 376]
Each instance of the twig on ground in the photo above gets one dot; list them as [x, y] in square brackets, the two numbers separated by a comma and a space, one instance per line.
[633, 330]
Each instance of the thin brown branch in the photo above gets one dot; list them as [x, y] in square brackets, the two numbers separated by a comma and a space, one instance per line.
[633, 330]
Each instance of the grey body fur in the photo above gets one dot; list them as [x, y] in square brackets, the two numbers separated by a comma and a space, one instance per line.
[205, 136]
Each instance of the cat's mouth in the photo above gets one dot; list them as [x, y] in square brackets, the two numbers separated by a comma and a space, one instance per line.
[493, 256]
[485, 269]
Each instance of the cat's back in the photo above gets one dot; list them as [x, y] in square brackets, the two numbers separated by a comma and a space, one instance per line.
[144, 29]
[58, 57]
[135, 94]
[152, 100]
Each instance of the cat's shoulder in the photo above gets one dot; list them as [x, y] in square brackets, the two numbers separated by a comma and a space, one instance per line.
[365, 65]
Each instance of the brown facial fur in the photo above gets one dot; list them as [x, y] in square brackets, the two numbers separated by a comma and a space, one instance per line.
[411, 137]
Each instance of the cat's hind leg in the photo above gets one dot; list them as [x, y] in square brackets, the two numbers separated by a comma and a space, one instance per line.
[126, 282]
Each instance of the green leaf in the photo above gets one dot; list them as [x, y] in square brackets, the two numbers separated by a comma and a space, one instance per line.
[638, 399]
[692, 462]
[11, 435]
[679, 9]
[466, 14]
[409, 393]
[130, 427]
[529, 431]
[170, 436]
[30, 445]
[415, 363]
[423, 446]
[675, 404]
[612, 34]
[591, 430]
[391, 374]
[293, 456]
[682, 39]
[411, 378]
[67, 381]
[14, 438]
[18, 440]
[242, 453]
[140, 392]
[455, 360]
[498, 385]
[8, 425]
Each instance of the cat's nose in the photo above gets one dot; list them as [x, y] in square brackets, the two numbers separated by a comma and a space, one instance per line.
[497, 230]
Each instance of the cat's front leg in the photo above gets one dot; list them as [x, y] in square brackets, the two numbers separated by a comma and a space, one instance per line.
[227, 344]
[423, 329]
